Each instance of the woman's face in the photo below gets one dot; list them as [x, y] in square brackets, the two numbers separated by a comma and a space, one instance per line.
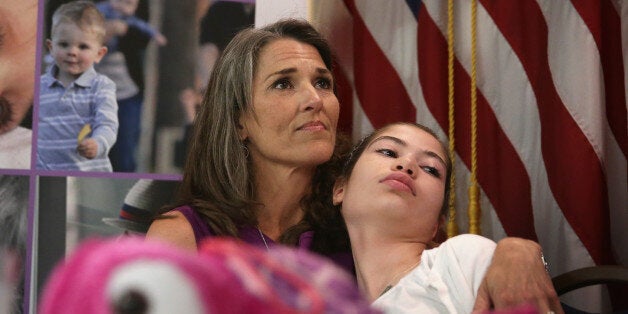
[18, 38]
[397, 183]
[295, 111]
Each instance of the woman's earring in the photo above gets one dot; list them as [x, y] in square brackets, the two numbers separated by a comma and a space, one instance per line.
[246, 151]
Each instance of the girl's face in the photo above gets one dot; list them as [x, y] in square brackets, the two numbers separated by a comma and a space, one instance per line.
[295, 110]
[398, 183]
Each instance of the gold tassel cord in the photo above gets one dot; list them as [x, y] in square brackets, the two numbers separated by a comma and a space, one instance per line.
[474, 209]
[452, 226]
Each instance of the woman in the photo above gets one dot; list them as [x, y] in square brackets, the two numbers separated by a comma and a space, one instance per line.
[264, 138]
[269, 116]
[391, 193]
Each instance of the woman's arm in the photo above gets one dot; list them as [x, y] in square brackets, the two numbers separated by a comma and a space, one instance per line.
[516, 277]
[173, 228]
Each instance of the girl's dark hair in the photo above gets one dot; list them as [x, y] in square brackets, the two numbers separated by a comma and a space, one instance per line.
[330, 235]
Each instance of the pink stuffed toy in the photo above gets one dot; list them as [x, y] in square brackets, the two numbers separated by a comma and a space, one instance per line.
[131, 275]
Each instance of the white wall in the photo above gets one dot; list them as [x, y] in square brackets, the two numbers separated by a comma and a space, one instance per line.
[268, 11]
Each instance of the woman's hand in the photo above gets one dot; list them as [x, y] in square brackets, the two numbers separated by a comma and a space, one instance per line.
[517, 277]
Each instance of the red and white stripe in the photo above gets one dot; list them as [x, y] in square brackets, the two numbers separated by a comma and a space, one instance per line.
[552, 130]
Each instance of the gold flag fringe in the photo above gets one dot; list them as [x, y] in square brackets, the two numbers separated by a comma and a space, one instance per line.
[452, 226]
[474, 209]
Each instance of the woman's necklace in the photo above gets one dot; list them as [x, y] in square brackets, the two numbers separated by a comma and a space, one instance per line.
[398, 276]
[263, 238]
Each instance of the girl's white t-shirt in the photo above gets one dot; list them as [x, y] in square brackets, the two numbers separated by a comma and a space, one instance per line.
[446, 280]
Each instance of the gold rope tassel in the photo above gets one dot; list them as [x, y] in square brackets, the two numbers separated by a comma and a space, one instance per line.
[474, 209]
[452, 226]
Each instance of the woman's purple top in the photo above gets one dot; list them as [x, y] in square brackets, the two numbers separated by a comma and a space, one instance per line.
[252, 236]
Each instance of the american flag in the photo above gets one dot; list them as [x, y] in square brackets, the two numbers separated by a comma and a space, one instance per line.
[551, 106]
